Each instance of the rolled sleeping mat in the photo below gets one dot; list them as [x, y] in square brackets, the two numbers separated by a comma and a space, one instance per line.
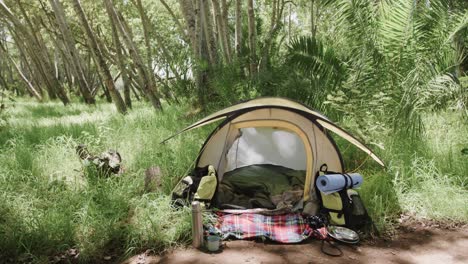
[330, 183]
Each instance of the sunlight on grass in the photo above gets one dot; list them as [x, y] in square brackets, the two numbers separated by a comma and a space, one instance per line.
[43, 182]
[153, 226]
[447, 135]
[435, 196]
[57, 161]
[25, 114]
[51, 203]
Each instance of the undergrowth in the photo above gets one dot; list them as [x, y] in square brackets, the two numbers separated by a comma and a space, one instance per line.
[425, 176]
[51, 204]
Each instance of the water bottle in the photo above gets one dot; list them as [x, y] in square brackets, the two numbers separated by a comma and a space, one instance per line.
[197, 225]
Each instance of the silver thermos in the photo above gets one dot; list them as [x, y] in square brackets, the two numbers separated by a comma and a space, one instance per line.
[197, 225]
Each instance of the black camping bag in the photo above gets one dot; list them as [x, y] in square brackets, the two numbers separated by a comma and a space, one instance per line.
[344, 208]
[183, 193]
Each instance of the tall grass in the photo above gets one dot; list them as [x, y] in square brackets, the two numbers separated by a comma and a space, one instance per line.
[50, 203]
[425, 176]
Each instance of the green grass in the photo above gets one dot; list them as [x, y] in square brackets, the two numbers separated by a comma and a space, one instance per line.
[50, 204]
[426, 176]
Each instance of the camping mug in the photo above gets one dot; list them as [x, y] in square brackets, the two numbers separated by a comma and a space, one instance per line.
[213, 243]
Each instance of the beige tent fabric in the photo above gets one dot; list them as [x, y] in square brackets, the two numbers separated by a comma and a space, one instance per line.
[280, 103]
[213, 152]
[277, 113]
[260, 102]
[340, 132]
[326, 152]
[319, 149]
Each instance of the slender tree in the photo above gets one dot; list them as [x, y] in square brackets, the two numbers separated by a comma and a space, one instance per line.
[29, 85]
[252, 38]
[71, 52]
[180, 27]
[148, 81]
[146, 33]
[124, 73]
[28, 37]
[44, 58]
[222, 30]
[225, 22]
[275, 25]
[207, 22]
[238, 30]
[99, 58]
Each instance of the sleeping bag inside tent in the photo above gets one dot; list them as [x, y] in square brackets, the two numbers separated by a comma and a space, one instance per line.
[267, 153]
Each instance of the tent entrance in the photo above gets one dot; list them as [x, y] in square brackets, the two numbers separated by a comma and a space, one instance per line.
[274, 142]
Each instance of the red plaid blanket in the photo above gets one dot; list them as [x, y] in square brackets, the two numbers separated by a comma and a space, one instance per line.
[287, 228]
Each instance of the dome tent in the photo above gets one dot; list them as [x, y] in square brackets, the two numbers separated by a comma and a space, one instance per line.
[276, 131]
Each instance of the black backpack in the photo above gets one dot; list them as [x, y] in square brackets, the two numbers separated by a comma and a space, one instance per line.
[345, 207]
[184, 192]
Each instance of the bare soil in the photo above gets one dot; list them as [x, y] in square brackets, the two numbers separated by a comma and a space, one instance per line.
[414, 243]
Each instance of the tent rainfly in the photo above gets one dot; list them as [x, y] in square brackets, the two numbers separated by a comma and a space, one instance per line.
[271, 130]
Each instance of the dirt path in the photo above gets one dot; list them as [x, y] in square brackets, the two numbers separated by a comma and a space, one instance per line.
[412, 245]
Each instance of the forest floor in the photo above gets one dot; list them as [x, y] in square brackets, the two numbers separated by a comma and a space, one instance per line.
[412, 243]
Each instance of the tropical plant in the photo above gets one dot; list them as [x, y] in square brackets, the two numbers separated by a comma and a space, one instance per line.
[319, 65]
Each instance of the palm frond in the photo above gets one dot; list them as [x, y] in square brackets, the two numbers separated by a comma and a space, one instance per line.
[359, 18]
[397, 28]
[310, 56]
[460, 25]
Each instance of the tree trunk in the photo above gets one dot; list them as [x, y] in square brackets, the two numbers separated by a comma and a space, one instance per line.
[176, 20]
[33, 48]
[216, 13]
[222, 31]
[71, 52]
[202, 76]
[36, 45]
[238, 30]
[313, 26]
[148, 81]
[135, 92]
[167, 56]
[277, 13]
[4, 84]
[224, 10]
[188, 11]
[106, 91]
[146, 34]
[99, 59]
[29, 86]
[127, 95]
[4, 66]
[122, 66]
[252, 38]
[289, 22]
[193, 12]
[208, 31]
[35, 60]
[68, 72]
[29, 66]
